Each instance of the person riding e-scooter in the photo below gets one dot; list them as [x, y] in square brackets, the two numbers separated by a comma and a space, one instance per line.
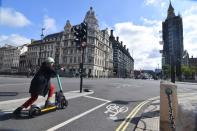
[41, 85]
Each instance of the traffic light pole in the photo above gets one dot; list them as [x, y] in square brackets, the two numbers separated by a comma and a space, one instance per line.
[80, 33]
[81, 69]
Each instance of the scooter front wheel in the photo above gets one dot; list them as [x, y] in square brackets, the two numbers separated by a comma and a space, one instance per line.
[63, 103]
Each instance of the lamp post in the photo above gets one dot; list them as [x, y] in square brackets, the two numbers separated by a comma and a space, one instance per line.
[42, 36]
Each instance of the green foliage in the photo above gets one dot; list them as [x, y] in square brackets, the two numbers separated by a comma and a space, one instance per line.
[188, 72]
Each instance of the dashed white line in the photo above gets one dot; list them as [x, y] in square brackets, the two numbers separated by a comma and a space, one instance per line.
[75, 118]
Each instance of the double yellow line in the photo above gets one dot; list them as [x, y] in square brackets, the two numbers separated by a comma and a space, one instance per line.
[123, 126]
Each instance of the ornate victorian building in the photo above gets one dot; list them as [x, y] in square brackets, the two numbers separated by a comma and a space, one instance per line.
[98, 60]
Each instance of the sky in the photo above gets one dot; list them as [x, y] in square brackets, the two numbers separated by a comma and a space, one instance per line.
[136, 22]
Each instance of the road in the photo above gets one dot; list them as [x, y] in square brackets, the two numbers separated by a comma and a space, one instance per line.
[107, 108]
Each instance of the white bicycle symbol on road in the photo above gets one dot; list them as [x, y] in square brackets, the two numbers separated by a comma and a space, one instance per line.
[115, 109]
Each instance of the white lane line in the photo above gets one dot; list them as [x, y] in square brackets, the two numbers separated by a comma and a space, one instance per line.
[96, 98]
[13, 84]
[75, 118]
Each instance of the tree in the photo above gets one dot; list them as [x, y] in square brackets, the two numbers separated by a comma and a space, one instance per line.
[188, 72]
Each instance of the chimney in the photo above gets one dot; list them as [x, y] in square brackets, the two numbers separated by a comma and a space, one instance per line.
[117, 38]
[125, 46]
[121, 43]
[111, 34]
[127, 49]
[32, 40]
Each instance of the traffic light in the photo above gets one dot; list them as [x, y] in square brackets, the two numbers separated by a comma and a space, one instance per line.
[80, 33]
[77, 34]
[84, 32]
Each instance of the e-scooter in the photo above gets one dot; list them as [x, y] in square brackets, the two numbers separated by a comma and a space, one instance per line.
[60, 103]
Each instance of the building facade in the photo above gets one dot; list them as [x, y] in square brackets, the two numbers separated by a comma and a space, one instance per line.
[185, 60]
[193, 64]
[98, 59]
[123, 63]
[10, 56]
[172, 30]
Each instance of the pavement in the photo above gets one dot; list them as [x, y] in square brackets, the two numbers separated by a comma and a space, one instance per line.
[187, 110]
[149, 119]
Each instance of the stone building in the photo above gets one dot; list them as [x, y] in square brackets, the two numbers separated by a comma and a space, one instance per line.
[123, 63]
[10, 56]
[98, 59]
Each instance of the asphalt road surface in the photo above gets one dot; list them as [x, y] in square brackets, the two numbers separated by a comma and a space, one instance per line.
[107, 109]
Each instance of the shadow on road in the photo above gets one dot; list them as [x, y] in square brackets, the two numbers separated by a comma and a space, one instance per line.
[134, 120]
[3, 129]
[150, 114]
[7, 116]
[122, 102]
[8, 93]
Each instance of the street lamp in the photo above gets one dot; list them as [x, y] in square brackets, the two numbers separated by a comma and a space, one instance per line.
[42, 36]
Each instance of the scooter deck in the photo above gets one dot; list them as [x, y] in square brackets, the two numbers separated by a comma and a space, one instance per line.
[50, 108]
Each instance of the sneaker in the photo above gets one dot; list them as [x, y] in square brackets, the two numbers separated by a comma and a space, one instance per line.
[17, 111]
[48, 103]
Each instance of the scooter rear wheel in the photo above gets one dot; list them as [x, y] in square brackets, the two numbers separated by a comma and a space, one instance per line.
[33, 111]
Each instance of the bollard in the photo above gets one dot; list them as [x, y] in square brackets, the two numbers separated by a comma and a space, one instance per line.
[167, 88]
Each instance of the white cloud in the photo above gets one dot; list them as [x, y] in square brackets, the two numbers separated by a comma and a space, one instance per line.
[190, 30]
[13, 39]
[143, 40]
[150, 2]
[161, 3]
[13, 18]
[49, 24]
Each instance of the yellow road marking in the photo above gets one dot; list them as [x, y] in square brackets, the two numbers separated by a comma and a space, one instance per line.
[127, 123]
[128, 116]
[133, 113]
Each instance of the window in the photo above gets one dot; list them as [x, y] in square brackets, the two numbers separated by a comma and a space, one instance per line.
[70, 59]
[79, 59]
[65, 59]
[71, 51]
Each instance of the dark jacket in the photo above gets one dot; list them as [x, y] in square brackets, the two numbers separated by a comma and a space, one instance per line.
[40, 84]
